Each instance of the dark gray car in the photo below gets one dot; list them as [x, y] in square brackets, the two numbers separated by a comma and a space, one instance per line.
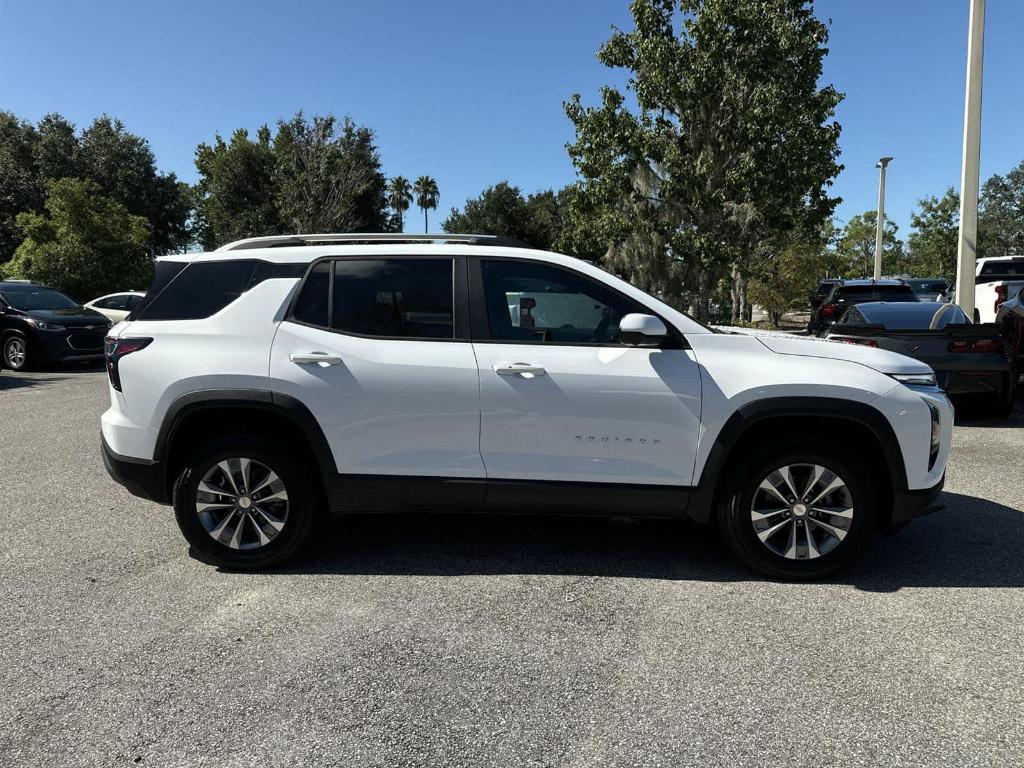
[968, 359]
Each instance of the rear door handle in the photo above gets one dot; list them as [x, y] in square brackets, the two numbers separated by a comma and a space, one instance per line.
[513, 369]
[314, 358]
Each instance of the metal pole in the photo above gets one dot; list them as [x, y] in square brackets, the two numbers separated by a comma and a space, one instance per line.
[967, 249]
[880, 223]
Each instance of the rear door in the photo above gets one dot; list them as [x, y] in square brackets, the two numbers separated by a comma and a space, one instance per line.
[375, 348]
[591, 409]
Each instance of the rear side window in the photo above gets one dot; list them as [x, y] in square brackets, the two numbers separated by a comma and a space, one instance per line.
[1015, 267]
[202, 289]
[404, 298]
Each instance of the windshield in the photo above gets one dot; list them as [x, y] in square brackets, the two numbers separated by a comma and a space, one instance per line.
[912, 316]
[37, 298]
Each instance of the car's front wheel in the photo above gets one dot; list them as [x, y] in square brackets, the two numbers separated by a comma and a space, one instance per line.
[798, 511]
[244, 502]
[15, 352]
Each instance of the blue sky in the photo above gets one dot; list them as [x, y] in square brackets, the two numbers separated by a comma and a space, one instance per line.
[471, 92]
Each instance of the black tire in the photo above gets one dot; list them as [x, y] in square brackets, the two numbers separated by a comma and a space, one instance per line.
[736, 502]
[299, 521]
[12, 359]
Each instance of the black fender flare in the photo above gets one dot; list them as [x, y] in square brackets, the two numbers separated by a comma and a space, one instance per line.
[290, 408]
[702, 500]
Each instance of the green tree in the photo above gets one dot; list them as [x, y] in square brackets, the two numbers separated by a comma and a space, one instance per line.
[328, 177]
[932, 245]
[236, 193]
[120, 162]
[20, 188]
[856, 247]
[84, 243]
[124, 167]
[502, 210]
[787, 271]
[427, 197]
[1001, 220]
[400, 198]
[731, 141]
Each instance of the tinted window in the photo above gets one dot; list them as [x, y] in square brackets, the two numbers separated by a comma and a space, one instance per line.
[393, 297]
[312, 303]
[134, 300]
[35, 297]
[533, 302]
[1015, 267]
[859, 293]
[919, 316]
[163, 273]
[200, 290]
[113, 302]
[203, 288]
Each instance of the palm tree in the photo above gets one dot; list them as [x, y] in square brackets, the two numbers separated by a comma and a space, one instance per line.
[400, 197]
[427, 196]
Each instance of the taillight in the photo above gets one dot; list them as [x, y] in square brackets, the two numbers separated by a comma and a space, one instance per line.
[861, 342]
[115, 349]
[1000, 297]
[827, 310]
[977, 345]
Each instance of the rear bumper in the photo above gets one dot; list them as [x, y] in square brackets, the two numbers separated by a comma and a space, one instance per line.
[906, 505]
[142, 477]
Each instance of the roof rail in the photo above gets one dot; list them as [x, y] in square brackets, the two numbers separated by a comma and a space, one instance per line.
[364, 238]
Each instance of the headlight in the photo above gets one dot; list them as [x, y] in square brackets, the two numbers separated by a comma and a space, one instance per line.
[915, 379]
[47, 326]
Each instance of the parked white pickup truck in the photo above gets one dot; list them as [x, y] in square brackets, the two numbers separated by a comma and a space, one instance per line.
[997, 279]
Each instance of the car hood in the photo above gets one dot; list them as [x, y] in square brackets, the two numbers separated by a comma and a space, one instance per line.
[74, 317]
[807, 346]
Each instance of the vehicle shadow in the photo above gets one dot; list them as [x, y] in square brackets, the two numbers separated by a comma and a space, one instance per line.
[971, 543]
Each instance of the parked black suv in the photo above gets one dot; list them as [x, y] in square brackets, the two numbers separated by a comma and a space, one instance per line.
[848, 292]
[41, 325]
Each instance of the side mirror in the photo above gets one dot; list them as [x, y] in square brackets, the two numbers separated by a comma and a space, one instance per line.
[642, 330]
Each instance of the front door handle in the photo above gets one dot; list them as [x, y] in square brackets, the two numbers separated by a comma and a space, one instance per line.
[314, 358]
[514, 369]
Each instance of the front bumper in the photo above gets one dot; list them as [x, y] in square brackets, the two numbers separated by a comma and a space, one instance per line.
[906, 505]
[67, 346]
[142, 477]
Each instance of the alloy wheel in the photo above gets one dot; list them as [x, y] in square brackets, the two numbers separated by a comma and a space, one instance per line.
[801, 511]
[242, 503]
[14, 353]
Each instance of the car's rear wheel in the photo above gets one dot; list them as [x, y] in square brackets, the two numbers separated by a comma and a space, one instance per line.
[798, 510]
[244, 503]
[15, 352]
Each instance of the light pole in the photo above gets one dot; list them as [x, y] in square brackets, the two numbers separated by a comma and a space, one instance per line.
[880, 224]
[967, 248]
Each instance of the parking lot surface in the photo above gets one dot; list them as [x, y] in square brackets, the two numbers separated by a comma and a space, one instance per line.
[455, 641]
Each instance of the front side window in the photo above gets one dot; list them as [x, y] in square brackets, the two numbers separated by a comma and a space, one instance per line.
[403, 298]
[527, 301]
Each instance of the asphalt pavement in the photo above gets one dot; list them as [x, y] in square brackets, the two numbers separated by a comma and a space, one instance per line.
[459, 641]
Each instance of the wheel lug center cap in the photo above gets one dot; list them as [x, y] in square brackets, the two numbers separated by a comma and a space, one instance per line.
[799, 510]
[244, 502]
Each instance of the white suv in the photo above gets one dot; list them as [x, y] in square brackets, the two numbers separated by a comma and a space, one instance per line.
[274, 380]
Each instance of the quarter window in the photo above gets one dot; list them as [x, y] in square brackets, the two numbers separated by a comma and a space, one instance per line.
[405, 298]
[532, 302]
[312, 304]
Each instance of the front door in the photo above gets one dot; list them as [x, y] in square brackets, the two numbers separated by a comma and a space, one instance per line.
[369, 347]
[562, 399]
